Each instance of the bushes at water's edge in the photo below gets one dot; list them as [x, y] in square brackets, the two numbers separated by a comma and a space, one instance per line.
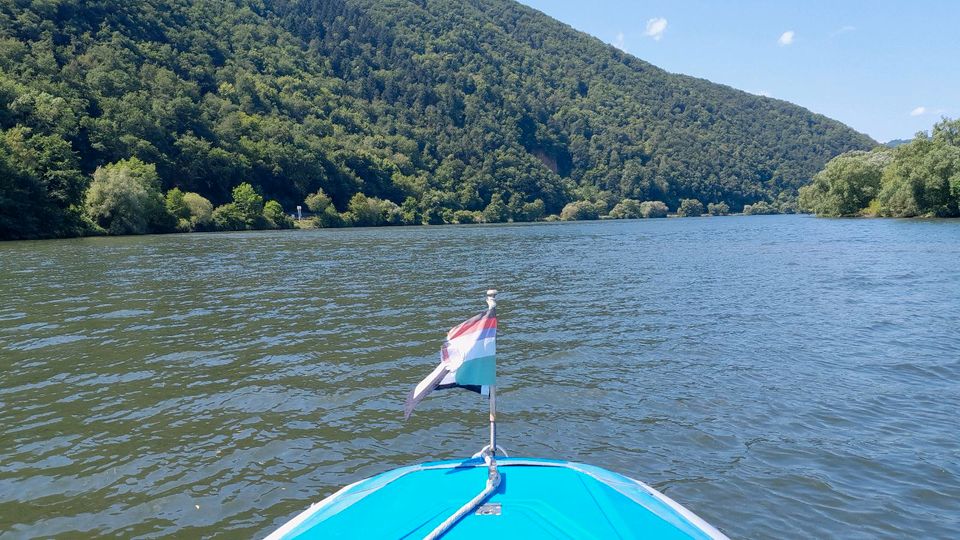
[690, 208]
[759, 209]
[248, 211]
[847, 184]
[371, 211]
[718, 209]
[125, 198]
[633, 209]
[919, 178]
[653, 209]
[200, 211]
[581, 211]
[626, 209]
[276, 218]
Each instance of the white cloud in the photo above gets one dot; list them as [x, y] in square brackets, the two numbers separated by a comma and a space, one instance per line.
[656, 27]
[918, 111]
[619, 43]
[786, 38]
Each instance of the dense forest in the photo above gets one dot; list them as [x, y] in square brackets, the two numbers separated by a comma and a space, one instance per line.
[149, 115]
[919, 178]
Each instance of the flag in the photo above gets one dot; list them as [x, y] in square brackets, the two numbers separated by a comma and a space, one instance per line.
[467, 360]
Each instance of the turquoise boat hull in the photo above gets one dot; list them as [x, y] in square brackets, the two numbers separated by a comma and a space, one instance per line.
[536, 498]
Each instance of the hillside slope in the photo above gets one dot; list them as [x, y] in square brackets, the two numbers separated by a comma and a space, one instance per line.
[446, 102]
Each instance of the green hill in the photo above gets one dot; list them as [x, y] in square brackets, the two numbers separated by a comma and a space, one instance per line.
[444, 104]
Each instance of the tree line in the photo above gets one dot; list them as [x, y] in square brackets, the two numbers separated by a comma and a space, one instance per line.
[448, 110]
[125, 198]
[919, 178]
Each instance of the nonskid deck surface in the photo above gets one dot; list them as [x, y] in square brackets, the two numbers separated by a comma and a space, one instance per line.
[536, 499]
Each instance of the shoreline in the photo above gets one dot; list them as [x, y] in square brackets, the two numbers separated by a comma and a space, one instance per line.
[298, 227]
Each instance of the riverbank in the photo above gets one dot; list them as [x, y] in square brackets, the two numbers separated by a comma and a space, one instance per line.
[310, 221]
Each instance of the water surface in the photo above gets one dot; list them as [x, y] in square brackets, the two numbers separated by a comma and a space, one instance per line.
[782, 376]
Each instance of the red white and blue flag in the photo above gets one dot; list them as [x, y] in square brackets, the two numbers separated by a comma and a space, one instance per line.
[467, 360]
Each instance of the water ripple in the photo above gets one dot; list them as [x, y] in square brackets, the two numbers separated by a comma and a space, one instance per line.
[784, 377]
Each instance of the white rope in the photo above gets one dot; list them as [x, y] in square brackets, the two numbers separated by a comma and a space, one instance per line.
[493, 481]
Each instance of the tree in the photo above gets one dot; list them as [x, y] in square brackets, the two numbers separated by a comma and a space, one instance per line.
[124, 198]
[924, 177]
[846, 185]
[532, 211]
[626, 209]
[41, 186]
[229, 218]
[275, 216]
[496, 211]
[786, 203]
[318, 202]
[947, 135]
[390, 212]
[432, 208]
[653, 209]
[410, 212]
[580, 211]
[177, 208]
[326, 214]
[201, 211]
[249, 204]
[364, 212]
[18, 191]
[759, 208]
[718, 209]
[690, 208]
[467, 216]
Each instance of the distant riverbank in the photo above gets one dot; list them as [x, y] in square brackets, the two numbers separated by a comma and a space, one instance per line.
[124, 200]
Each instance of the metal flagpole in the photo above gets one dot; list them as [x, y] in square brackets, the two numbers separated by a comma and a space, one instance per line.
[493, 421]
[492, 303]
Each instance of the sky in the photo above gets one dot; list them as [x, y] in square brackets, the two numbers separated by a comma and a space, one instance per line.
[886, 68]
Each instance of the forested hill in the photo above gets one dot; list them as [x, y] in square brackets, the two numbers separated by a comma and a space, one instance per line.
[442, 104]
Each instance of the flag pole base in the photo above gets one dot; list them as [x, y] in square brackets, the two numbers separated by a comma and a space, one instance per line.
[486, 450]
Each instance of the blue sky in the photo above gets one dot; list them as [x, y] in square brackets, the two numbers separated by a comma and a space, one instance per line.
[886, 68]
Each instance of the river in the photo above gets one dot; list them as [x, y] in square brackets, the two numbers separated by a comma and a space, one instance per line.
[781, 376]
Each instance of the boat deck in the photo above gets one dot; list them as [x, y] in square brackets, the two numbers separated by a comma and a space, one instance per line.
[536, 499]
